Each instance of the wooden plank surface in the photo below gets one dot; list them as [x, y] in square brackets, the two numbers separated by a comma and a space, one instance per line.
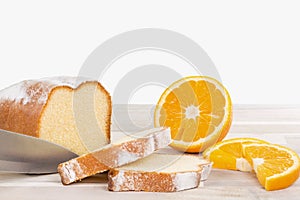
[278, 124]
[246, 118]
[220, 185]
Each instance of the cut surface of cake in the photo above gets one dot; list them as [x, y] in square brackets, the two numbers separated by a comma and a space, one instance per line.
[74, 112]
[160, 173]
[126, 150]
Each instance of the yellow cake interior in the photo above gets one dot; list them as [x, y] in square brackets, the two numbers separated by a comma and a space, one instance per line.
[165, 163]
[78, 119]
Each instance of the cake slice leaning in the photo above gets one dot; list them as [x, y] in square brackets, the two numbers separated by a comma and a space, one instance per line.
[160, 173]
[124, 151]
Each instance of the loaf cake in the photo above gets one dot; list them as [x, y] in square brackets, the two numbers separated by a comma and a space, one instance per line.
[126, 150]
[160, 173]
[69, 111]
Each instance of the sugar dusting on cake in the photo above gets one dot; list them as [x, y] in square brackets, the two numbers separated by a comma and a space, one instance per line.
[162, 138]
[150, 146]
[15, 93]
[72, 82]
[71, 170]
[118, 180]
[187, 180]
[124, 181]
[37, 91]
[125, 157]
[206, 171]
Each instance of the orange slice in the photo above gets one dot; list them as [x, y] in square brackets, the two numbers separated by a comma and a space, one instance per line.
[198, 110]
[228, 154]
[276, 167]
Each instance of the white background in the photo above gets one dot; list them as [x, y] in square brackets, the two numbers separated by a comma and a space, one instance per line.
[255, 45]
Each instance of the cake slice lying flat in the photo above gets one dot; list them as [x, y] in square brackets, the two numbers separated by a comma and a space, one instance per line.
[124, 151]
[74, 112]
[160, 173]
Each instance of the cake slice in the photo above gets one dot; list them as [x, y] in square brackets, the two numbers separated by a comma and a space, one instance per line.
[160, 173]
[126, 150]
[73, 112]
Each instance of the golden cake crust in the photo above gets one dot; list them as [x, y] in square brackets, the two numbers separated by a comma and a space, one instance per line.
[160, 172]
[122, 180]
[22, 104]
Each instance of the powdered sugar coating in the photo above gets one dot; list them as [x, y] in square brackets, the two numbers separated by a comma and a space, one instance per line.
[37, 91]
[156, 138]
[70, 170]
[125, 157]
[162, 139]
[206, 171]
[118, 180]
[72, 82]
[188, 180]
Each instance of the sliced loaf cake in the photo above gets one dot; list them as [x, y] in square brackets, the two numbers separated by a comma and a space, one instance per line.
[74, 112]
[126, 150]
[160, 173]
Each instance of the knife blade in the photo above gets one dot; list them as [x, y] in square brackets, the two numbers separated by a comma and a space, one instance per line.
[25, 154]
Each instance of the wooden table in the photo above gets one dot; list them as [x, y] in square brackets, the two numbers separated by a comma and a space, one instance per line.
[277, 124]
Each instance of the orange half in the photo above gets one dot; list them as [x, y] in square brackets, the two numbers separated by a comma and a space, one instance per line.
[198, 110]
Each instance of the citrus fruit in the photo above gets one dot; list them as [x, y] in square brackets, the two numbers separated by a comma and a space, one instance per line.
[228, 154]
[276, 166]
[198, 110]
